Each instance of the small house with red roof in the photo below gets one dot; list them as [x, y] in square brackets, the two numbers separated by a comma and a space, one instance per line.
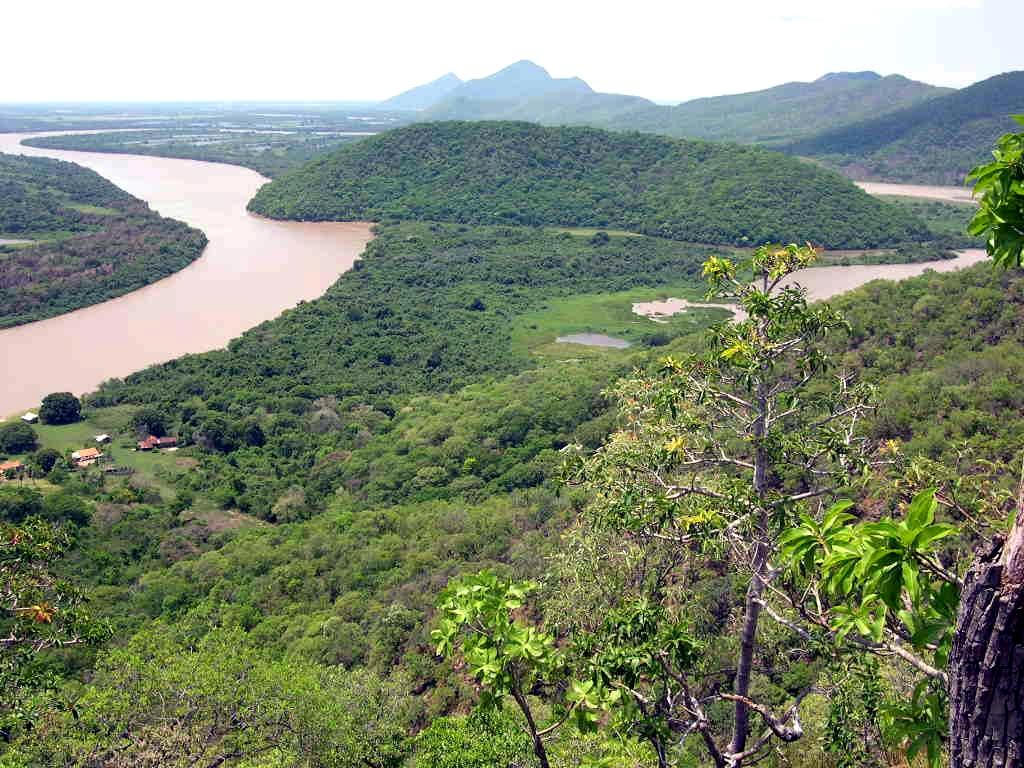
[149, 443]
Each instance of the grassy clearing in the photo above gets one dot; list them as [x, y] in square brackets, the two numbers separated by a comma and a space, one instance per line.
[154, 469]
[590, 232]
[942, 217]
[611, 314]
[98, 210]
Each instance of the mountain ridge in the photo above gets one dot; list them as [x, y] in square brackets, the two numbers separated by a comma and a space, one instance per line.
[423, 96]
[937, 141]
[771, 116]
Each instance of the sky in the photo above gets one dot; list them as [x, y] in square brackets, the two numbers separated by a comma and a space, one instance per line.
[672, 50]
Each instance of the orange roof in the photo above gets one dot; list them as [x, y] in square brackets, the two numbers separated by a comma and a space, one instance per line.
[87, 453]
[6, 465]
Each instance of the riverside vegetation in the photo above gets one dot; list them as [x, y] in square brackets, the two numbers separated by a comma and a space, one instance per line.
[81, 240]
[305, 638]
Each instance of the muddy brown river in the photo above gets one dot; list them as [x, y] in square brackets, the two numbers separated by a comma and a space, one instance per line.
[251, 271]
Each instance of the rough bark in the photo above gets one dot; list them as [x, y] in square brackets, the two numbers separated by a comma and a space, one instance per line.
[986, 665]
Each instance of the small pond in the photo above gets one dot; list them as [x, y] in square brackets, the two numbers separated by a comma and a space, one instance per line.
[593, 340]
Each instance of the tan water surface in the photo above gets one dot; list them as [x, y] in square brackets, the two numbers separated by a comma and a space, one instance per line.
[949, 194]
[825, 282]
[252, 270]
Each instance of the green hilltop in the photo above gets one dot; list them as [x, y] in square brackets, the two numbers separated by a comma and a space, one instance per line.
[525, 174]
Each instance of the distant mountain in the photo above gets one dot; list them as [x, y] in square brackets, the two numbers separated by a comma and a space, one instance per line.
[520, 90]
[865, 76]
[424, 96]
[522, 80]
[937, 141]
[786, 112]
[523, 174]
[525, 91]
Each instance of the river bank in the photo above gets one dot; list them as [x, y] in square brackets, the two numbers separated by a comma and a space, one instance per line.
[251, 271]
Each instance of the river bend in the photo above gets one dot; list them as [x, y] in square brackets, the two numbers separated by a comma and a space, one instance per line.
[252, 270]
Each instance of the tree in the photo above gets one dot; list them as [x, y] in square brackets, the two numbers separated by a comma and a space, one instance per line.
[19, 503]
[485, 739]
[150, 421]
[66, 507]
[17, 437]
[716, 458]
[46, 459]
[880, 588]
[999, 185]
[508, 656]
[60, 408]
[38, 611]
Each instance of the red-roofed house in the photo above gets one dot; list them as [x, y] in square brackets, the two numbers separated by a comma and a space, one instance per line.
[148, 444]
[166, 442]
[86, 456]
[11, 469]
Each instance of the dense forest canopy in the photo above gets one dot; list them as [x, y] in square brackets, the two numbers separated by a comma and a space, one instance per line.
[418, 489]
[86, 240]
[518, 173]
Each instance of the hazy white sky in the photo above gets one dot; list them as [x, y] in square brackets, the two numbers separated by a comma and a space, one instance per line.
[316, 49]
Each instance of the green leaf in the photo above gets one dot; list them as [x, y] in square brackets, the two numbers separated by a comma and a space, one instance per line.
[932, 533]
[921, 511]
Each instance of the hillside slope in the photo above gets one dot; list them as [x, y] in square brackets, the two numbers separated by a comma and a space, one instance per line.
[786, 112]
[424, 96]
[935, 142]
[519, 173]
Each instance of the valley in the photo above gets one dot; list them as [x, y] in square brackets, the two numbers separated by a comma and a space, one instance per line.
[124, 335]
[485, 443]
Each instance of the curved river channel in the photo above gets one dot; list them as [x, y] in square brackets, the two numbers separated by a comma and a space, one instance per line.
[252, 270]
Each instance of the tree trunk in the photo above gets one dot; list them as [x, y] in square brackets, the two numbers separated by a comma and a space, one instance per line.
[748, 640]
[752, 607]
[535, 737]
[986, 664]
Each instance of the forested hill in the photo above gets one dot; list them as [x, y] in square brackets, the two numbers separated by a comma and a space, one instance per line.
[79, 240]
[936, 142]
[785, 112]
[525, 174]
